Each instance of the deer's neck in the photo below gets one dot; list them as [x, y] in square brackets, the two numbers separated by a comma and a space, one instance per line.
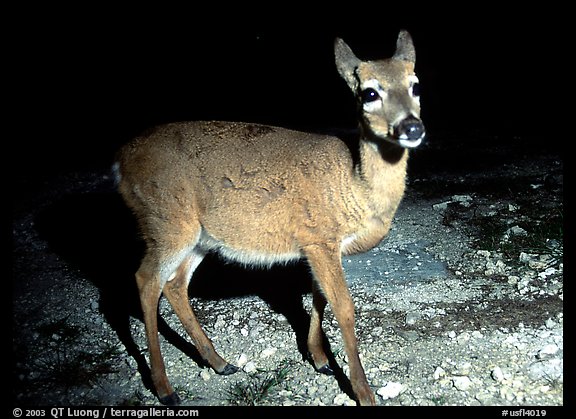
[382, 170]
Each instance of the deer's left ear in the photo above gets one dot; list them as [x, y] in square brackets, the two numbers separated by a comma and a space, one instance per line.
[346, 62]
[405, 48]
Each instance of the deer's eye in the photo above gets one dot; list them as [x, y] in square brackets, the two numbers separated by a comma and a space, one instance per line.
[369, 95]
[415, 89]
[414, 86]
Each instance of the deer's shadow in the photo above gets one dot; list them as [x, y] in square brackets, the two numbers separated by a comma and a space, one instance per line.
[96, 233]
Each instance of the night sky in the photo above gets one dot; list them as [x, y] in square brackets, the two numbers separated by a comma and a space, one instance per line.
[87, 83]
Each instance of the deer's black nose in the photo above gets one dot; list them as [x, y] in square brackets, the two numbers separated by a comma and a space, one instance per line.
[410, 129]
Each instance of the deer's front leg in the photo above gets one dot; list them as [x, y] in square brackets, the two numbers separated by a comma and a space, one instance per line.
[326, 264]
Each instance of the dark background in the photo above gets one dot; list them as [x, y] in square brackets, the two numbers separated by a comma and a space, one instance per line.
[86, 81]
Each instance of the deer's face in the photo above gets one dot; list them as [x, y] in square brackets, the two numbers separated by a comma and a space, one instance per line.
[389, 101]
[387, 92]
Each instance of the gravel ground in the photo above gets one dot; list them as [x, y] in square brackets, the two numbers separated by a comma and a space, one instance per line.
[461, 305]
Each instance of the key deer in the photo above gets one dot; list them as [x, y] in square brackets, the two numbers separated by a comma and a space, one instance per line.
[261, 195]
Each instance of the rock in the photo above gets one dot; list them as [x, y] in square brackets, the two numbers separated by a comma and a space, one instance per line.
[268, 352]
[547, 351]
[409, 335]
[205, 374]
[463, 368]
[250, 367]
[412, 317]
[390, 390]
[513, 279]
[342, 399]
[242, 360]
[461, 383]
[497, 374]
[464, 200]
[526, 257]
[515, 231]
[550, 324]
[483, 253]
[463, 338]
[476, 334]
[439, 372]
[551, 370]
[442, 206]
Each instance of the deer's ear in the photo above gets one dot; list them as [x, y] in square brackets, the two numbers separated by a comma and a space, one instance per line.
[346, 63]
[405, 48]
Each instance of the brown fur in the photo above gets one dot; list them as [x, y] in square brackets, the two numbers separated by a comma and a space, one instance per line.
[261, 195]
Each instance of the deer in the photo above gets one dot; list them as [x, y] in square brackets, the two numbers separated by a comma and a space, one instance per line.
[261, 195]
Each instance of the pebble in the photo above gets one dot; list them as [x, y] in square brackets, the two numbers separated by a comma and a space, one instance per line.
[550, 324]
[439, 372]
[462, 383]
[497, 374]
[463, 338]
[268, 352]
[242, 360]
[205, 374]
[463, 368]
[250, 367]
[547, 351]
[409, 335]
[342, 399]
[412, 317]
[390, 390]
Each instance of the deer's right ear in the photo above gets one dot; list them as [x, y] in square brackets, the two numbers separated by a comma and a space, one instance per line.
[346, 63]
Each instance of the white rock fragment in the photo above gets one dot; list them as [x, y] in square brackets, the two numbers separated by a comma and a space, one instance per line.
[461, 383]
[547, 272]
[268, 352]
[463, 338]
[205, 374]
[547, 351]
[412, 317]
[439, 372]
[477, 334]
[463, 368]
[242, 360]
[441, 206]
[390, 390]
[497, 374]
[250, 367]
[550, 324]
[342, 399]
[483, 253]
[548, 369]
[526, 257]
[515, 231]
[464, 200]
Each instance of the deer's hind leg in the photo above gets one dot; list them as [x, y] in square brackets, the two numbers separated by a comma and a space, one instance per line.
[176, 291]
[167, 267]
[149, 280]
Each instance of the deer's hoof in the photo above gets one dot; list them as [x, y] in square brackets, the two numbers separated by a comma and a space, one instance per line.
[325, 369]
[228, 369]
[170, 400]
